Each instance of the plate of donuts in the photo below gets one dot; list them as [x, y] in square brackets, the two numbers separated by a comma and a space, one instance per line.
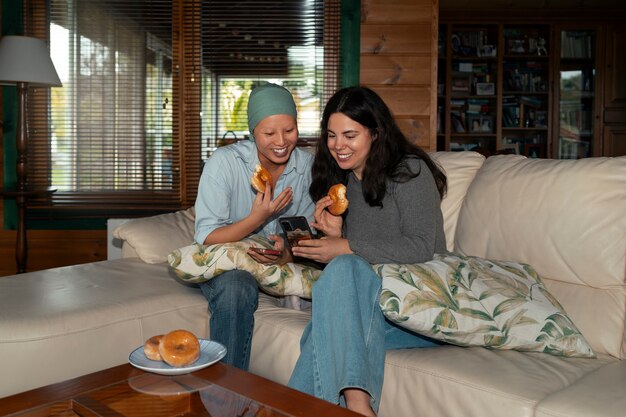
[210, 353]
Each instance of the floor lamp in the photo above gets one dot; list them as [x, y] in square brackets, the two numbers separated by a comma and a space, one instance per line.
[24, 62]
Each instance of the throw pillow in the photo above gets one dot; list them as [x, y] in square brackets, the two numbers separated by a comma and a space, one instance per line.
[153, 238]
[198, 263]
[470, 301]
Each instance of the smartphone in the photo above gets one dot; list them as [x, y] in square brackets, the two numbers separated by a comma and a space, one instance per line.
[296, 229]
[265, 251]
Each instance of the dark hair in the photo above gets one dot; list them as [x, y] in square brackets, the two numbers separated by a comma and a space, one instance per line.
[388, 155]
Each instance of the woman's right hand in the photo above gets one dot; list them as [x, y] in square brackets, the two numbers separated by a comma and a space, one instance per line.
[325, 222]
[264, 207]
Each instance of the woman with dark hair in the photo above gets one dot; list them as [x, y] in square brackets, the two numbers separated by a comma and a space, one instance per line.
[394, 216]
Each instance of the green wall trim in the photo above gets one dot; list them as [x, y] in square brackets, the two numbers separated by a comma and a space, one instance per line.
[350, 44]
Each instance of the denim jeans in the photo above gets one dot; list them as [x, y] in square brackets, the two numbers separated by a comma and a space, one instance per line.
[233, 298]
[344, 344]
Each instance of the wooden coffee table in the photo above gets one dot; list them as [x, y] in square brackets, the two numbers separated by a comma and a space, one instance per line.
[218, 391]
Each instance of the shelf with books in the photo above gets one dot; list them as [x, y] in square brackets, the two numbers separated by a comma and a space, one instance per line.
[472, 41]
[540, 82]
[576, 99]
[467, 86]
[526, 41]
[525, 76]
[524, 111]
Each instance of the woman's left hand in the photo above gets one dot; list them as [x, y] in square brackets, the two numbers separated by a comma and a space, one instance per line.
[279, 244]
[322, 250]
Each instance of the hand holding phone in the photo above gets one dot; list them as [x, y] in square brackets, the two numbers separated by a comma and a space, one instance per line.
[265, 251]
[296, 228]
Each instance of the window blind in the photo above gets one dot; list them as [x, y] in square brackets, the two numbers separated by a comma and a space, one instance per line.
[152, 87]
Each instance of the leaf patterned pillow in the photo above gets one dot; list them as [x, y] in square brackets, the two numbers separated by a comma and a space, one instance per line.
[198, 263]
[470, 301]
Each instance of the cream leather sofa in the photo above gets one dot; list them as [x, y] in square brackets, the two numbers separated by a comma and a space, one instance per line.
[565, 218]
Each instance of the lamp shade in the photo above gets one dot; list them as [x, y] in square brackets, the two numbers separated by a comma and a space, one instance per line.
[26, 60]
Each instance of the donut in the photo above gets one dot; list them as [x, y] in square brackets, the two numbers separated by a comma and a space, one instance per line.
[259, 177]
[151, 348]
[179, 348]
[340, 203]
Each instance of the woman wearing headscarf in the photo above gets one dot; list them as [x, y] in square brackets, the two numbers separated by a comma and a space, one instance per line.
[229, 209]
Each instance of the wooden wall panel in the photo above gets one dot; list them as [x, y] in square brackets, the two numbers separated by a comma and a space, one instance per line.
[399, 62]
[614, 140]
[416, 129]
[397, 11]
[406, 38]
[406, 101]
[53, 248]
[395, 69]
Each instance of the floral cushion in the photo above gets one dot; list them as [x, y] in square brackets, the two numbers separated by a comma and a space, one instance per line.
[470, 301]
[198, 263]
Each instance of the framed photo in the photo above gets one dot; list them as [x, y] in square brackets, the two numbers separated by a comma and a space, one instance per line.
[486, 124]
[473, 124]
[517, 46]
[533, 150]
[485, 89]
[460, 85]
[488, 50]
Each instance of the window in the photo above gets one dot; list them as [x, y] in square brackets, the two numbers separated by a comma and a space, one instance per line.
[152, 87]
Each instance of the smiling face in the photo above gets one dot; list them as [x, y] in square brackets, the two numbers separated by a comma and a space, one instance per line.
[349, 143]
[276, 137]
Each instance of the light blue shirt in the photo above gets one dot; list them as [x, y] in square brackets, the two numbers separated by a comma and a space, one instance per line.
[225, 195]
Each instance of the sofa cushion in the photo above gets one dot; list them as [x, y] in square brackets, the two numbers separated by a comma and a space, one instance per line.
[460, 169]
[470, 301]
[155, 237]
[567, 219]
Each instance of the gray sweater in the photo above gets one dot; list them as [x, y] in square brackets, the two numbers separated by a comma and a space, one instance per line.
[407, 229]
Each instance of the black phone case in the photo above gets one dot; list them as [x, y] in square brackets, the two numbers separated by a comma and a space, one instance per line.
[295, 229]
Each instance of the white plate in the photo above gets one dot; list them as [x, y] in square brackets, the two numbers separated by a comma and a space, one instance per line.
[210, 353]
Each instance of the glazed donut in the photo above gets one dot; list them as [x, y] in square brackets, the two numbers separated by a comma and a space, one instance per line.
[179, 348]
[340, 203]
[259, 177]
[151, 348]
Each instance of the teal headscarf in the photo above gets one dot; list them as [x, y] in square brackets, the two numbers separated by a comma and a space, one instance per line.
[268, 100]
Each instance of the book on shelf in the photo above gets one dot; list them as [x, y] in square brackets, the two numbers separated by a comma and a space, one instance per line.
[510, 116]
[531, 101]
[576, 44]
[458, 121]
[458, 103]
[476, 105]
[525, 79]
[541, 119]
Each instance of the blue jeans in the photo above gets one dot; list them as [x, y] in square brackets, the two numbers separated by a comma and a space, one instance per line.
[233, 298]
[344, 344]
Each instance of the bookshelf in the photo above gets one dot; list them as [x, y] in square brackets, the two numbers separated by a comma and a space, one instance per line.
[467, 99]
[525, 88]
[525, 99]
[576, 93]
